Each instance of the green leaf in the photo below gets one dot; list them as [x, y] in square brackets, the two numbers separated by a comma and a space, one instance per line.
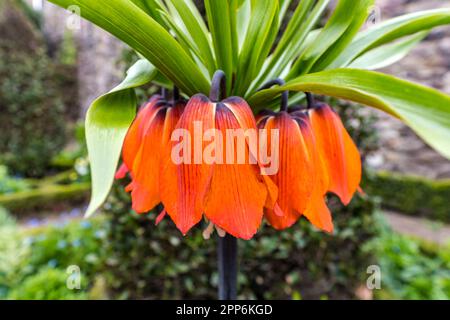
[293, 41]
[387, 54]
[152, 8]
[107, 122]
[234, 9]
[188, 46]
[391, 30]
[242, 21]
[197, 30]
[425, 110]
[260, 35]
[129, 23]
[219, 22]
[284, 6]
[360, 13]
[343, 17]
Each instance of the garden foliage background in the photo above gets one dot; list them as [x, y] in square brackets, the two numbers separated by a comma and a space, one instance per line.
[44, 184]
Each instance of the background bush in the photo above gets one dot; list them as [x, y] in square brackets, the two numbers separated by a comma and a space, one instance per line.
[148, 261]
[32, 121]
[411, 269]
[33, 261]
[411, 195]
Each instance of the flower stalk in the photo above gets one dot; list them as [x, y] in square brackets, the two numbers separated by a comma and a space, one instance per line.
[228, 267]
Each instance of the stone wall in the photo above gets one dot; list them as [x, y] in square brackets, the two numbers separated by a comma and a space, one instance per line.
[429, 64]
[98, 52]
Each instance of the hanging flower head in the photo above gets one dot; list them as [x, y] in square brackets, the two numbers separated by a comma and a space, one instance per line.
[317, 155]
[143, 149]
[205, 159]
[198, 169]
[338, 151]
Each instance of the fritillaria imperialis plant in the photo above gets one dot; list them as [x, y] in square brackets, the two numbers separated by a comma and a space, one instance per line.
[267, 80]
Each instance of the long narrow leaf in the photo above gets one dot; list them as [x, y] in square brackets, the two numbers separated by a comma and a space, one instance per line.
[129, 23]
[387, 54]
[152, 8]
[196, 29]
[361, 12]
[293, 42]
[257, 44]
[219, 22]
[343, 17]
[425, 110]
[107, 123]
[391, 30]
[284, 6]
[242, 23]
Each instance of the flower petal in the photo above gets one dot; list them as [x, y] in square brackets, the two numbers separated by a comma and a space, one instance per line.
[134, 135]
[121, 172]
[244, 115]
[146, 168]
[296, 175]
[319, 215]
[237, 192]
[183, 185]
[340, 155]
[317, 212]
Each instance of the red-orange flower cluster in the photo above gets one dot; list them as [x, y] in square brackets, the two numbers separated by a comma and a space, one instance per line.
[316, 156]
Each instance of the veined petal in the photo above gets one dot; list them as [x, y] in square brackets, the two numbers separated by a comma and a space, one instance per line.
[237, 192]
[244, 115]
[340, 155]
[146, 168]
[242, 112]
[184, 183]
[317, 211]
[296, 175]
[134, 135]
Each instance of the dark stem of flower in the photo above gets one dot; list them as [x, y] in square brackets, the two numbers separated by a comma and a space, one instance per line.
[310, 100]
[228, 267]
[284, 95]
[176, 94]
[164, 93]
[218, 86]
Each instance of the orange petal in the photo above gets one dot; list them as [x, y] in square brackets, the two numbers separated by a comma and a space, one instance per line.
[237, 192]
[319, 214]
[121, 172]
[145, 194]
[296, 175]
[134, 135]
[183, 185]
[244, 115]
[340, 155]
[241, 111]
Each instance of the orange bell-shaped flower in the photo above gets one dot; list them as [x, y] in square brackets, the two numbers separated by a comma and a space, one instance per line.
[231, 194]
[339, 154]
[300, 181]
[143, 147]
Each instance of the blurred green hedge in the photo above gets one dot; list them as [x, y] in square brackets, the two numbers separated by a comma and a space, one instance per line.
[32, 95]
[156, 262]
[411, 268]
[411, 195]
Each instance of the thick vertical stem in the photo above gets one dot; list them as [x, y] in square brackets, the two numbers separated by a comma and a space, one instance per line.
[228, 267]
